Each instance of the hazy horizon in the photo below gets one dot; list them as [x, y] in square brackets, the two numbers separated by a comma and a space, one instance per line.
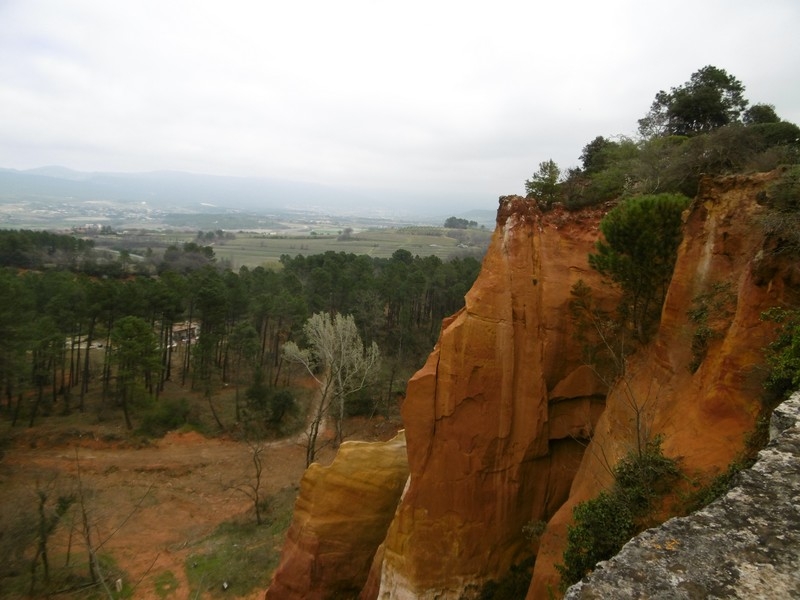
[183, 189]
[446, 103]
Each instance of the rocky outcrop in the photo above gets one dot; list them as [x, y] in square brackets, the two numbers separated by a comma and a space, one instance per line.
[499, 419]
[704, 415]
[744, 545]
[494, 419]
[340, 518]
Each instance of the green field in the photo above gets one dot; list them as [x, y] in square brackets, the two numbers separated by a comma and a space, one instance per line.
[252, 249]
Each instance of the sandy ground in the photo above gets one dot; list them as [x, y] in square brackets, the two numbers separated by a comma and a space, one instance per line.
[172, 493]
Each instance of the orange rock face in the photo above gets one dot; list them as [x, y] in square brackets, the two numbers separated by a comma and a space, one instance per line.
[485, 452]
[703, 416]
[498, 419]
[340, 518]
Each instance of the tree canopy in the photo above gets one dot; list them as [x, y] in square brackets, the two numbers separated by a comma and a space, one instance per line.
[458, 223]
[212, 327]
[710, 99]
[543, 185]
[701, 128]
[339, 362]
[638, 252]
[136, 357]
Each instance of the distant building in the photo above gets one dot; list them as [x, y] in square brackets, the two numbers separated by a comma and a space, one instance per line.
[186, 331]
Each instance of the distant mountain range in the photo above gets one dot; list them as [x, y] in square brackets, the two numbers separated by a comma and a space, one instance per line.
[162, 189]
[172, 191]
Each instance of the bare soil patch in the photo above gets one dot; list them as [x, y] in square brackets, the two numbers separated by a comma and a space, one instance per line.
[157, 502]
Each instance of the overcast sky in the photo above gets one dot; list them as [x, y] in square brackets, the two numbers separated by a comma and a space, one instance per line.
[438, 99]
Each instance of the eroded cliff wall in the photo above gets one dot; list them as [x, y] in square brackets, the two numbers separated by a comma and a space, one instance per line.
[499, 418]
[495, 418]
[705, 415]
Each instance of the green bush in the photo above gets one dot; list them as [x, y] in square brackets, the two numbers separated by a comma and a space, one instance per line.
[782, 222]
[361, 404]
[783, 354]
[281, 404]
[268, 406]
[784, 194]
[642, 478]
[163, 416]
[716, 487]
[602, 525]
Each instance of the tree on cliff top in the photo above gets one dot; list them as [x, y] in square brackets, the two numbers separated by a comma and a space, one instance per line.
[638, 254]
[710, 99]
[543, 186]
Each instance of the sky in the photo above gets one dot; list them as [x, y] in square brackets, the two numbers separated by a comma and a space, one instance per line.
[432, 101]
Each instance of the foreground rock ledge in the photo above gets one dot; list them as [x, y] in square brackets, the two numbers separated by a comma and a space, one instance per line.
[744, 545]
[340, 519]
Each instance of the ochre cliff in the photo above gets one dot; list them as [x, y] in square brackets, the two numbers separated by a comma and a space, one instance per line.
[499, 419]
[495, 417]
[340, 517]
[703, 416]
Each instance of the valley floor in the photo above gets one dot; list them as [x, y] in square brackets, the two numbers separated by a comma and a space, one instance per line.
[164, 500]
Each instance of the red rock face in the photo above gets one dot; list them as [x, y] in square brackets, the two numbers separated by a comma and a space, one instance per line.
[487, 451]
[703, 416]
[340, 518]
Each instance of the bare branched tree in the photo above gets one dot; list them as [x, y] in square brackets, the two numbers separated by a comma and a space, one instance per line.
[606, 349]
[340, 364]
[48, 519]
[252, 487]
[93, 546]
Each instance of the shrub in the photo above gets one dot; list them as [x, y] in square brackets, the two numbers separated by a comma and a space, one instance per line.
[602, 525]
[715, 488]
[533, 530]
[268, 405]
[281, 404]
[783, 354]
[361, 404]
[755, 441]
[163, 416]
[784, 194]
[644, 477]
[716, 303]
